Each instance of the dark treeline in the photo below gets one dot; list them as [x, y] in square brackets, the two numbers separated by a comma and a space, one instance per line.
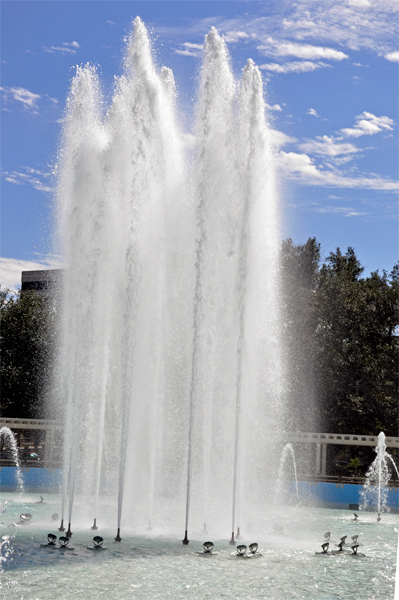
[339, 338]
[27, 341]
[341, 347]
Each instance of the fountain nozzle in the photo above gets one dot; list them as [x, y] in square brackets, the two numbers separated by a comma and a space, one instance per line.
[95, 525]
[186, 540]
[69, 532]
[118, 537]
[61, 527]
[232, 541]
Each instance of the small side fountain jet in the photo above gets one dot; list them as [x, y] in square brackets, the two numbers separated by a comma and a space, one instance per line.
[356, 517]
[41, 501]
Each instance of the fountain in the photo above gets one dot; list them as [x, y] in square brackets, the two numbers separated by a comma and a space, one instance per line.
[170, 374]
[375, 489]
[7, 435]
[288, 450]
[170, 361]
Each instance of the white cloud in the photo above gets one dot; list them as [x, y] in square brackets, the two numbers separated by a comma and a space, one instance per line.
[293, 67]
[334, 24]
[393, 56]
[345, 211]
[193, 46]
[25, 97]
[190, 49]
[235, 36]
[300, 168]
[276, 107]
[66, 48]
[111, 23]
[11, 269]
[278, 48]
[313, 112]
[327, 146]
[188, 53]
[360, 3]
[369, 124]
[33, 177]
[279, 139]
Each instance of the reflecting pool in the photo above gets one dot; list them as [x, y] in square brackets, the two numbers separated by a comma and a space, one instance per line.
[158, 566]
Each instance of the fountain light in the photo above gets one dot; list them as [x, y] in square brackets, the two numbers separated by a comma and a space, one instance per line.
[241, 550]
[51, 539]
[208, 547]
[25, 518]
[64, 541]
[98, 541]
[253, 548]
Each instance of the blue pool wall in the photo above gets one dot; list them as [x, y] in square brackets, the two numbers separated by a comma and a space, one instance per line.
[325, 495]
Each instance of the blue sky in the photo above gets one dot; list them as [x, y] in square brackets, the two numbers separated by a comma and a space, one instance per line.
[331, 83]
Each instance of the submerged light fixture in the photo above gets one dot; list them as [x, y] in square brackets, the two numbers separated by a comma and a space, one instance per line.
[25, 518]
[51, 539]
[208, 547]
[64, 541]
[98, 541]
[253, 548]
[241, 550]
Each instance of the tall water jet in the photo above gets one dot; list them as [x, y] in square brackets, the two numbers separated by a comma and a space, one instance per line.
[215, 196]
[170, 324]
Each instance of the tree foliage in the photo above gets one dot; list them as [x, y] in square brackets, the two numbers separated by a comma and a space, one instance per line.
[339, 339]
[26, 349]
[342, 345]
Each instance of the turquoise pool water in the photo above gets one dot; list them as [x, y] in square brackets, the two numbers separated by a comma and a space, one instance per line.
[160, 567]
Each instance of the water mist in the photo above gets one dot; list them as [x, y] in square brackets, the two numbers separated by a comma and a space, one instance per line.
[170, 364]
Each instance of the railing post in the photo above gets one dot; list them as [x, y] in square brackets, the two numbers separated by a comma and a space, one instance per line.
[323, 459]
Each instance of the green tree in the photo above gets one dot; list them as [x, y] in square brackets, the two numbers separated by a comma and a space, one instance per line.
[356, 348]
[26, 349]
